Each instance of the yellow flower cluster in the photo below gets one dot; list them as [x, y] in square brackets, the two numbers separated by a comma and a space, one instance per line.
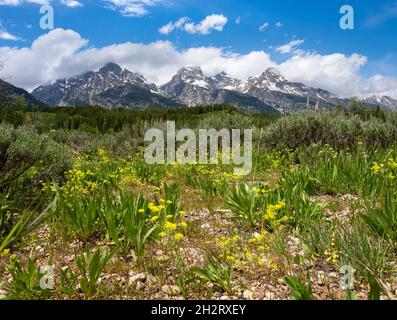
[5, 252]
[332, 254]
[262, 190]
[377, 168]
[169, 223]
[392, 163]
[245, 253]
[102, 153]
[270, 216]
[388, 168]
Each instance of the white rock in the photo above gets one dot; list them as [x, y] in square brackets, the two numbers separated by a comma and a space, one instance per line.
[248, 294]
[141, 277]
[171, 290]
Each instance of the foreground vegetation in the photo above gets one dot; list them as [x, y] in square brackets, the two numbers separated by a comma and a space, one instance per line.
[76, 194]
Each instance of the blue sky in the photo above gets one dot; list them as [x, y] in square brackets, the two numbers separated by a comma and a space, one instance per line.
[310, 28]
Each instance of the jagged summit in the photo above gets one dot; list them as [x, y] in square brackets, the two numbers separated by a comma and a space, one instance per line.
[111, 67]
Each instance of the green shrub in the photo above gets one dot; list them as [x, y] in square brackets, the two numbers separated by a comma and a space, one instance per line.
[337, 130]
[26, 158]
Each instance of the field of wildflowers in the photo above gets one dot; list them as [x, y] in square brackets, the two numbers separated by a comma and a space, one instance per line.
[109, 226]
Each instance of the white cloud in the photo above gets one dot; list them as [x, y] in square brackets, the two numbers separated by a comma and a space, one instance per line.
[29, 66]
[71, 3]
[337, 73]
[290, 47]
[212, 22]
[264, 26]
[133, 8]
[171, 26]
[63, 53]
[279, 24]
[238, 20]
[5, 35]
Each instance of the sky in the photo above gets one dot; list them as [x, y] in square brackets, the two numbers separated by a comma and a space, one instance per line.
[302, 39]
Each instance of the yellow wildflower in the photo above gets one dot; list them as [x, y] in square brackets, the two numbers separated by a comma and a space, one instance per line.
[5, 252]
[377, 168]
[183, 224]
[170, 226]
[155, 209]
[178, 236]
[392, 163]
[154, 218]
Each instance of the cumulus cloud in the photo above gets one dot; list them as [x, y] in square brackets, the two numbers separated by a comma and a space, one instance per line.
[212, 22]
[29, 66]
[64, 53]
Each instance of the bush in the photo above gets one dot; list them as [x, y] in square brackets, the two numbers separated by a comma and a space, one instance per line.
[26, 158]
[338, 130]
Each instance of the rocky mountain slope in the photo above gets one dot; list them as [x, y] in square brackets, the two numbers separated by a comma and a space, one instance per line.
[382, 101]
[110, 87]
[192, 87]
[8, 92]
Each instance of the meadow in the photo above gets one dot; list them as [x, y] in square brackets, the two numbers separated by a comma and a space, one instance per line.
[82, 216]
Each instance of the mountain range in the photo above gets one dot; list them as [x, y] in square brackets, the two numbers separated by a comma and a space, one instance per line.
[113, 87]
[110, 87]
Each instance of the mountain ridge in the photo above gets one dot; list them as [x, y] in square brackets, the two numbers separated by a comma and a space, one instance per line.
[269, 92]
[100, 88]
[9, 92]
